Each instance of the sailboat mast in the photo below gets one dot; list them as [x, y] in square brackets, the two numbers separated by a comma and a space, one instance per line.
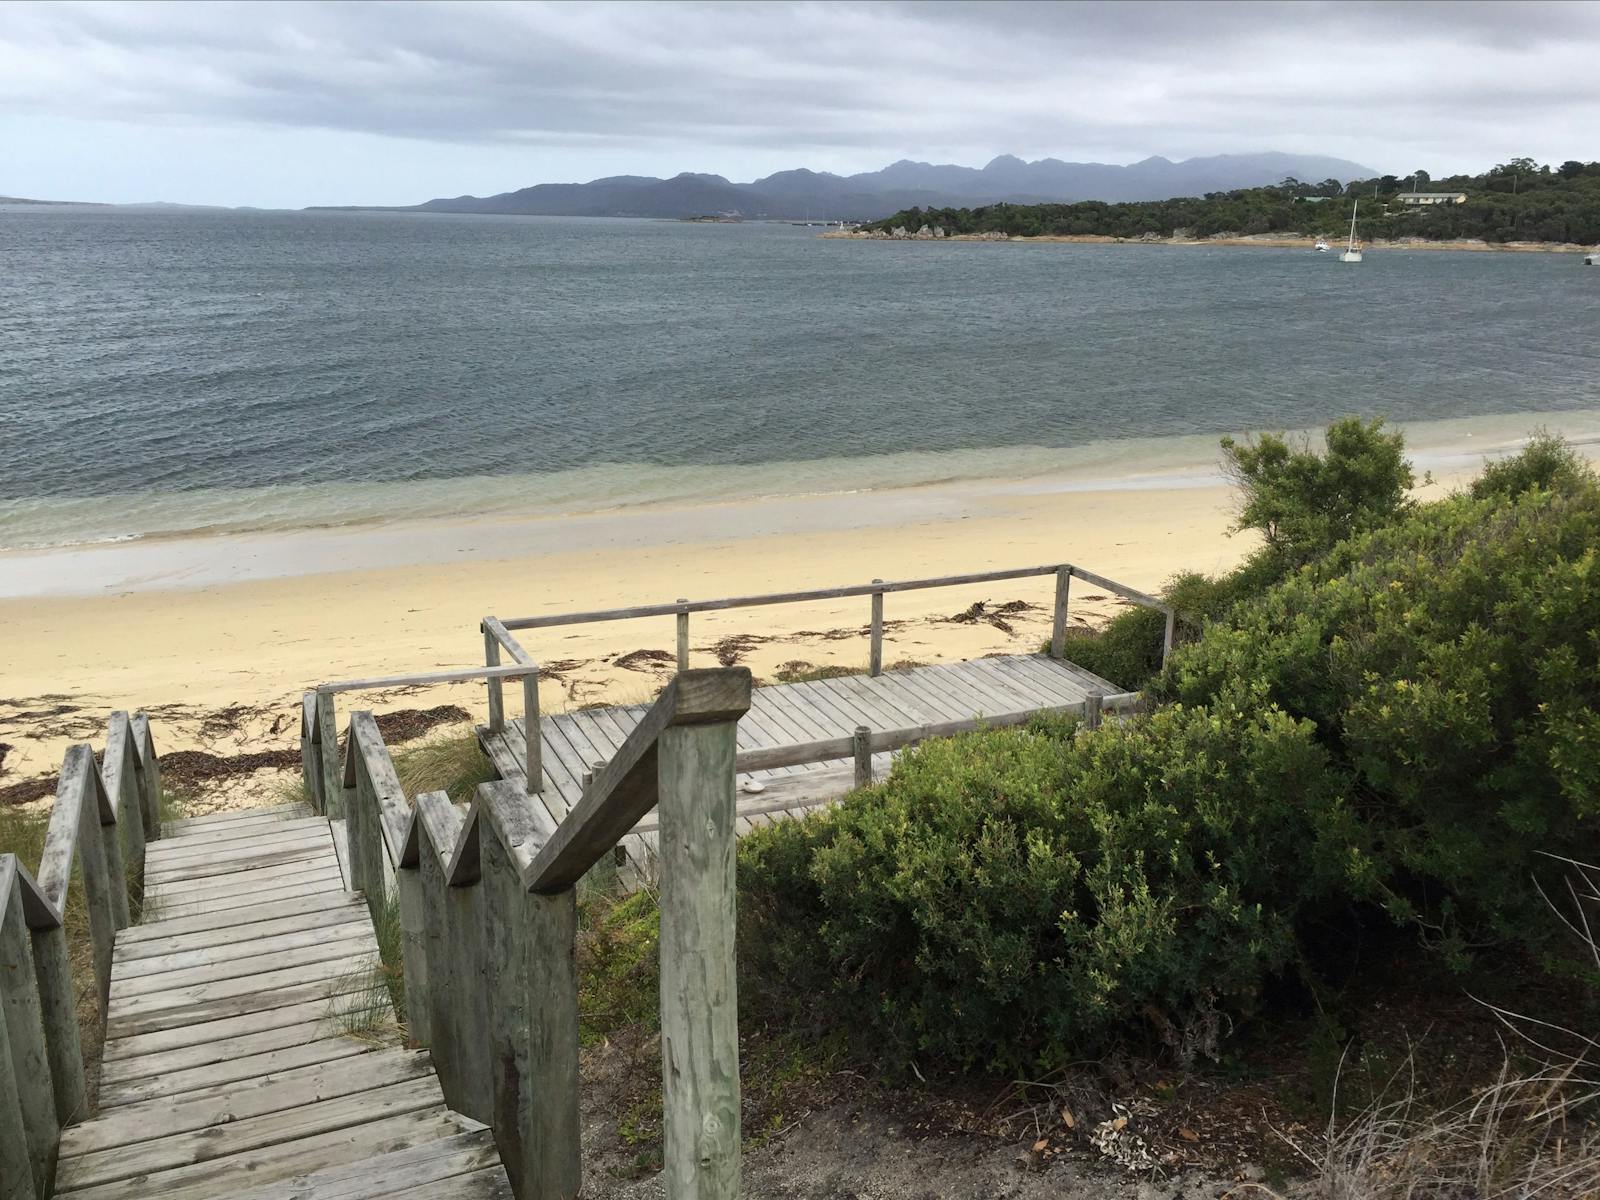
[1353, 208]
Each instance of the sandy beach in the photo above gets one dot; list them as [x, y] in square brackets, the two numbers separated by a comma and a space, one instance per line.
[219, 665]
[217, 637]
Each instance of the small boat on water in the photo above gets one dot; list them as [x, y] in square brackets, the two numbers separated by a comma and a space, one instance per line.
[1352, 252]
[1592, 259]
[1322, 246]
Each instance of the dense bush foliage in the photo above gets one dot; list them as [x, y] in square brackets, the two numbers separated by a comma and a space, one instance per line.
[1404, 723]
[1302, 502]
[1518, 200]
[1012, 896]
[1449, 663]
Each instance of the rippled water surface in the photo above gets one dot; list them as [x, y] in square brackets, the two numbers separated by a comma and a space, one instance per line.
[170, 371]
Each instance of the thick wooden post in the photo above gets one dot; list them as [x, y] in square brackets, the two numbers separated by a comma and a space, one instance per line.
[683, 635]
[699, 1019]
[24, 1034]
[149, 775]
[875, 657]
[459, 978]
[413, 900]
[99, 885]
[103, 826]
[119, 772]
[1058, 629]
[440, 824]
[1166, 637]
[529, 942]
[497, 695]
[552, 1158]
[530, 726]
[58, 1008]
[332, 771]
[16, 1167]
[1091, 710]
[862, 740]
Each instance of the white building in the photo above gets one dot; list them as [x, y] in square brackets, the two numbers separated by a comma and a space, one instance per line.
[1420, 199]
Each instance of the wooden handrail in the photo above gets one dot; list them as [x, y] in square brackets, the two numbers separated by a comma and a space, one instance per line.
[102, 818]
[489, 925]
[884, 740]
[681, 609]
[625, 789]
[833, 593]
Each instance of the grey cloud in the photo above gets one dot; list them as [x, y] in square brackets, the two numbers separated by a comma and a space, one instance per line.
[1385, 83]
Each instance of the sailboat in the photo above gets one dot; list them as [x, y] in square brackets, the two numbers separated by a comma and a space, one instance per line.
[1353, 251]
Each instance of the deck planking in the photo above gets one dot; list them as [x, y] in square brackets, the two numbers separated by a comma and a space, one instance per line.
[786, 714]
[228, 1069]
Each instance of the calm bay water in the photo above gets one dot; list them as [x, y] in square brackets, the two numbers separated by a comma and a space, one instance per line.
[171, 372]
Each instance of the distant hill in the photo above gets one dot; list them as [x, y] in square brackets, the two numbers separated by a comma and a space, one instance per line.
[821, 196]
[52, 203]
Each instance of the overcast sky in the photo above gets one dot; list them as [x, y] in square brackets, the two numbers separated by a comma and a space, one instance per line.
[288, 104]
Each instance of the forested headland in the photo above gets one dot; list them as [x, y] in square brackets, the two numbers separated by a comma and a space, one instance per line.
[1520, 200]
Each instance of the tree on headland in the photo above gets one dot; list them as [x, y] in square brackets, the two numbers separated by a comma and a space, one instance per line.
[1518, 199]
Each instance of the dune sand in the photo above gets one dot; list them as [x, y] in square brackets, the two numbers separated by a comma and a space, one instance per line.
[216, 638]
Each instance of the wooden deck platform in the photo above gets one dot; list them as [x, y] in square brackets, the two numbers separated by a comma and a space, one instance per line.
[791, 713]
[228, 1067]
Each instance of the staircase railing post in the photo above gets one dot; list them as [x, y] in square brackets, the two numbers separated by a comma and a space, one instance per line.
[862, 742]
[699, 1019]
[1058, 628]
[332, 770]
[530, 728]
[22, 1028]
[875, 657]
[683, 635]
[497, 694]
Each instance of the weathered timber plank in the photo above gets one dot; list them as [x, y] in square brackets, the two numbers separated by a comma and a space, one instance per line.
[169, 1083]
[255, 880]
[329, 883]
[167, 874]
[184, 826]
[488, 1184]
[194, 1023]
[227, 1103]
[419, 1166]
[133, 1012]
[186, 849]
[319, 1025]
[345, 941]
[219, 1141]
[214, 1177]
[170, 928]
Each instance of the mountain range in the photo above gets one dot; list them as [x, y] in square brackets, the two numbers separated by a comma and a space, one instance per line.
[820, 196]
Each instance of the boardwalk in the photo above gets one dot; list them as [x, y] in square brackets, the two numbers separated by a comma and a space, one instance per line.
[785, 714]
[228, 1067]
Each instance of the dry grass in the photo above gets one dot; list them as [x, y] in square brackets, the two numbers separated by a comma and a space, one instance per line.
[455, 765]
[1533, 1132]
[22, 832]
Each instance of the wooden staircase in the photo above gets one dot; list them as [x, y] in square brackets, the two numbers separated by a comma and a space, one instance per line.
[250, 1048]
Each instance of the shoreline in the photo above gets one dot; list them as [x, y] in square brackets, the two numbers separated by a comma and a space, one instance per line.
[220, 667]
[498, 517]
[1285, 241]
[216, 638]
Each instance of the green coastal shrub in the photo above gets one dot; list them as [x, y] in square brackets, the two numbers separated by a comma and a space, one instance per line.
[1451, 665]
[1546, 462]
[1302, 502]
[1013, 897]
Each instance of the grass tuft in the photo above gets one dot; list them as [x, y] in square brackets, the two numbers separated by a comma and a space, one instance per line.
[455, 765]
